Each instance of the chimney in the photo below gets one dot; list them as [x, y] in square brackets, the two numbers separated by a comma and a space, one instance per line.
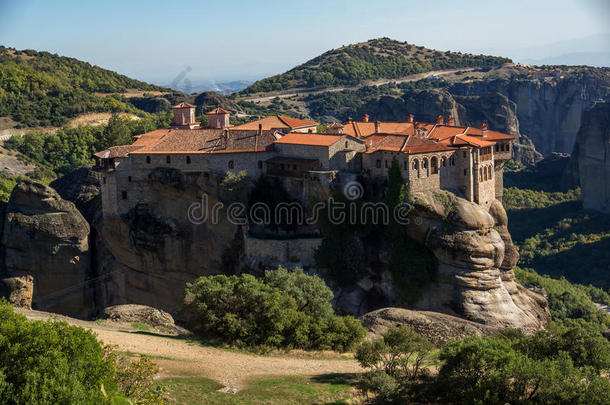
[260, 129]
[349, 119]
[484, 129]
[440, 119]
[450, 120]
[410, 118]
[365, 118]
[377, 125]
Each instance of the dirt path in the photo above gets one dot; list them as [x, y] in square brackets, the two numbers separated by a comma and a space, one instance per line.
[179, 357]
[410, 78]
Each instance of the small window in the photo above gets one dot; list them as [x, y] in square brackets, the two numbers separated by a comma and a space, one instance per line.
[294, 167]
[498, 148]
[507, 147]
[378, 164]
[464, 154]
[124, 195]
[465, 172]
[206, 175]
[345, 144]
[104, 180]
[148, 159]
[188, 160]
[129, 179]
[386, 163]
[231, 164]
[452, 161]
[168, 159]
[260, 164]
[405, 165]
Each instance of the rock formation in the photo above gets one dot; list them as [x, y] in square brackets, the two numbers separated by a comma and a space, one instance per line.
[590, 161]
[476, 256]
[147, 256]
[436, 327]
[46, 251]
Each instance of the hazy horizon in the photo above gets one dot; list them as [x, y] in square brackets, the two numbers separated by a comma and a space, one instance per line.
[249, 40]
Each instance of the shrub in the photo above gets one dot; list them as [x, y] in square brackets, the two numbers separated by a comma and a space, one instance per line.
[556, 366]
[400, 353]
[53, 362]
[283, 309]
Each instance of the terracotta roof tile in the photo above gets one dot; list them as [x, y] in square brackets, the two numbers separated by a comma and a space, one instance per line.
[116, 151]
[184, 105]
[218, 111]
[309, 139]
[276, 122]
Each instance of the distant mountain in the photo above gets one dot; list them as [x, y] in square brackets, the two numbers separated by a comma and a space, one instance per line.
[371, 60]
[41, 89]
[593, 50]
[598, 59]
[192, 86]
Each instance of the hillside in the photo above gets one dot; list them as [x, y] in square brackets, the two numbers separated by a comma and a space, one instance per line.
[43, 89]
[371, 60]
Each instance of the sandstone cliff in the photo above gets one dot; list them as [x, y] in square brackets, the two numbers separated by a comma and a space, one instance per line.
[590, 161]
[146, 257]
[544, 113]
[476, 256]
[46, 251]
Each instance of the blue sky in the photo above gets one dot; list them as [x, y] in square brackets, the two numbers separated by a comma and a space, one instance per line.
[231, 39]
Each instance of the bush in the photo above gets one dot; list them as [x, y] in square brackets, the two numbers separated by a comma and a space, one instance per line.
[283, 309]
[53, 362]
[556, 366]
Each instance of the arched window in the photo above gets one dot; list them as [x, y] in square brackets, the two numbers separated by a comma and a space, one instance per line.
[405, 165]
[452, 160]
[444, 160]
[425, 167]
[415, 164]
[498, 148]
[507, 147]
[489, 171]
[188, 160]
[481, 174]
[345, 144]
[434, 164]
[231, 164]
[148, 159]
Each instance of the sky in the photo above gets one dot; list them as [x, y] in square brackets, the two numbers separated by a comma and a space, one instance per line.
[249, 39]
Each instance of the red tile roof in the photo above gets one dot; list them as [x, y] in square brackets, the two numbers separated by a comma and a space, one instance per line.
[276, 122]
[218, 111]
[184, 105]
[116, 151]
[309, 139]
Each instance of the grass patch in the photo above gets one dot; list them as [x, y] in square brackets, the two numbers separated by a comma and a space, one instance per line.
[140, 326]
[323, 389]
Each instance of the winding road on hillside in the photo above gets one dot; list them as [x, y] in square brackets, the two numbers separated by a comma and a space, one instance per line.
[380, 82]
[177, 357]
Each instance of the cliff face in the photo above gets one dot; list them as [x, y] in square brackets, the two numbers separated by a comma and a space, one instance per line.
[476, 256]
[46, 251]
[549, 110]
[544, 114]
[590, 160]
[148, 255]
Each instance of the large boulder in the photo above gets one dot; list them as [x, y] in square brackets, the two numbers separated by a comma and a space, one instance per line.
[437, 327]
[46, 242]
[82, 187]
[474, 279]
[131, 313]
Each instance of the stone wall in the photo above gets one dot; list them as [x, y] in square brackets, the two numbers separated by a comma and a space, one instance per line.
[262, 253]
